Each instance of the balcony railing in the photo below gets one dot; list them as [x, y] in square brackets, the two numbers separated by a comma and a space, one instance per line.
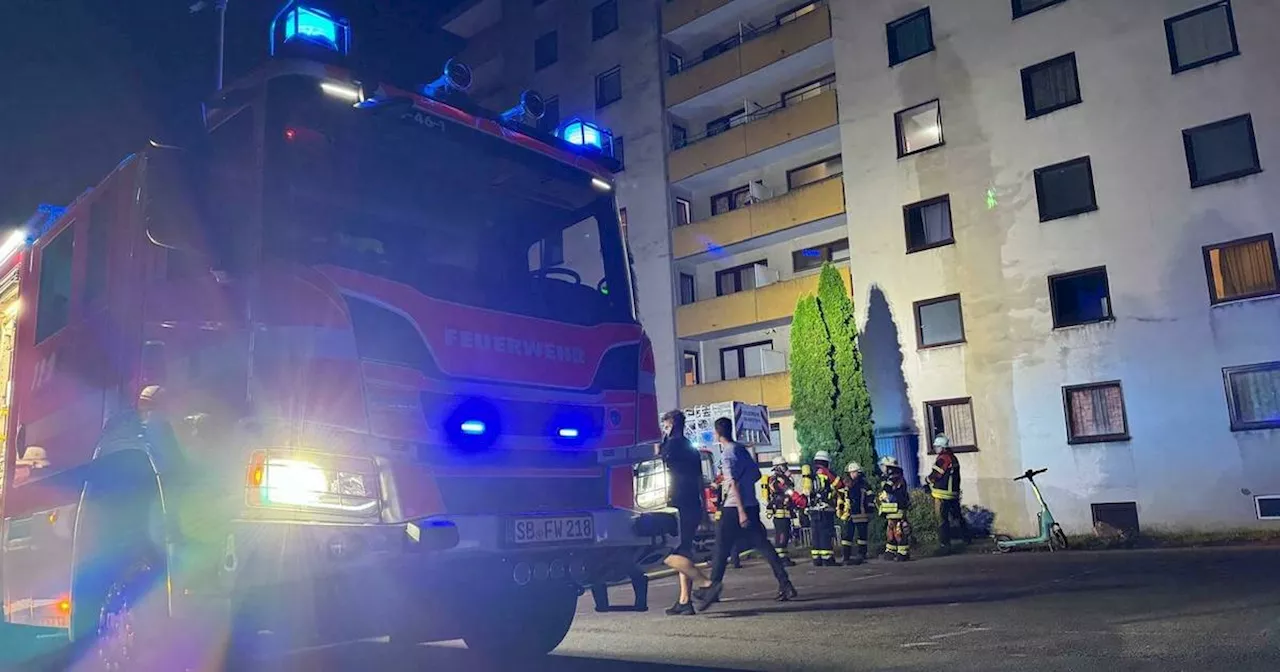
[809, 203]
[827, 84]
[772, 390]
[770, 303]
[747, 33]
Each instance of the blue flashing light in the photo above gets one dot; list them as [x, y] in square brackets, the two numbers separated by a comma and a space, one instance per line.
[473, 427]
[587, 135]
[299, 23]
[568, 433]
[811, 252]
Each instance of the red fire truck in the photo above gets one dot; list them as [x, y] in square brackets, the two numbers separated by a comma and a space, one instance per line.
[365, 363]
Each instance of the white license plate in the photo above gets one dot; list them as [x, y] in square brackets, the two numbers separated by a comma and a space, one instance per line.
[552, 529]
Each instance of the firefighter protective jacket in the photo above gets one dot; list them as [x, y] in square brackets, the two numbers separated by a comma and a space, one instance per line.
[944, 480]
[857, 502]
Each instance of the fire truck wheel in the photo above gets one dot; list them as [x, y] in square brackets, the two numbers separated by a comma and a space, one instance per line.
[524, 624]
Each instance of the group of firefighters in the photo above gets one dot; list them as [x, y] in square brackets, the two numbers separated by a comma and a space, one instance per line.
[825, 502]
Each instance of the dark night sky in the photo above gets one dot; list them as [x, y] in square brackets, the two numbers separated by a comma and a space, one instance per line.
[86, 82]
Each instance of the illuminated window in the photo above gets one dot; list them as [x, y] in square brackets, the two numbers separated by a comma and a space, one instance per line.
[910, 36]
[939, 322]
[1242, 269]
[1065, 189]
[684, 212]
[1081, 297]
[811, 90]
[1050, 86]
[928, 224]
[815, 172]
[919, 128]
[954, 418]
[1222, 151]
[692, 372]
[1201, 36]
[793, 14]
[811, 258]
[1095, 413]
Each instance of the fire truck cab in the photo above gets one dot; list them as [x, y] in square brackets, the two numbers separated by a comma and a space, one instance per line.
[365, 363]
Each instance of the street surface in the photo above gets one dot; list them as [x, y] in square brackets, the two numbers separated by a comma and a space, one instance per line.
[1162, 610]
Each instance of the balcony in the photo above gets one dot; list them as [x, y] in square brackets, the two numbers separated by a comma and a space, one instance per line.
[810, 204]
[772, 390]
[774, 303]
[767, 136]
[756, 51]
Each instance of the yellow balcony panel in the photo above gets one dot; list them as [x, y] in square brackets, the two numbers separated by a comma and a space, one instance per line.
[725, 229]
[773, 390]
[791, 122]
[680, 12]
[714, 151]
[799, 206]
[769, 303]
[706, 76]
[788, 39]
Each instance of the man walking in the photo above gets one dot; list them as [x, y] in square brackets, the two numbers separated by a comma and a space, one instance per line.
[944, 485]
[740, 521]
[684, 492]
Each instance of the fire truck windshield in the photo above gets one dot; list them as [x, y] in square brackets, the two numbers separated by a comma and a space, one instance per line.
[455, 213]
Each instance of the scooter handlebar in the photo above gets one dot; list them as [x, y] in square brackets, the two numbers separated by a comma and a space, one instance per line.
[1031, 473]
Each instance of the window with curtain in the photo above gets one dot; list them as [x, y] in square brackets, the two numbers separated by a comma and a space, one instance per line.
[1201, 36]
[1095, 413]
[928, 224]
[1253, 396]
[1050, 86]
[1242, 269]
[953, 417]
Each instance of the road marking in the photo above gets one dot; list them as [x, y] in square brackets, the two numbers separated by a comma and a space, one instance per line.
[966, 631]
[869, 576]
[915, 644]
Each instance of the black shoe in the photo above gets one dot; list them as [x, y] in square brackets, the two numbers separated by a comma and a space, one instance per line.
[888, 556]
[853, 560]
[679, 609]
[901, 558]
[787, 592]
[705, 597]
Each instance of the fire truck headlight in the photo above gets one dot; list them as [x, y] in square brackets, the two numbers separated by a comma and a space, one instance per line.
[312, 483]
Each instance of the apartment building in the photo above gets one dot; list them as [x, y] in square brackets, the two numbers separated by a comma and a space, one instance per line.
[1055, 217]
[1065, 234]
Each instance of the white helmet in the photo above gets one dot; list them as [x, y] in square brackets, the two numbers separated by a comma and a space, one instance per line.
[888, 462]
[779, 461]
[822, 456]
[853, 468]
[941, 442]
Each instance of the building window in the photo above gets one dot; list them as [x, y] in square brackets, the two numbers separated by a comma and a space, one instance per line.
[546, 50]
[1080, 297]
[743, 361]
[1065, 189]
[814, 257]
[737, 279]
[806, 91]
[939, 322]
[919, 128]
[928, 224]
[910, 36]
[1050, 86]
[765, 454]
[1221, 151]
[1242, 269]
[53, 309]
[675, 63]
[793, 14]
[730, 200]
[608, 87]
[1253, 396]
[815, 172]
[692, 372]
[1267, 506]
[728, 121]
[1022, 8]
[688, 291]
[102, 220]
[619, 152]
[604, 19]
[1095, 413]
[1201, 36]
[954, 418]
[684, 212]
[679, 136]
[551, 115]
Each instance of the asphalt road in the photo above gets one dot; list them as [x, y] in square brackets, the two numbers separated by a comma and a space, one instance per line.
[1194, 609]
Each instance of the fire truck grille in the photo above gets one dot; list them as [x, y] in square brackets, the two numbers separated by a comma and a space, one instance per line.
[523, 494]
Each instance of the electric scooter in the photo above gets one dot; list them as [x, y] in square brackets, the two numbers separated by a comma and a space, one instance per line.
[1051, 533]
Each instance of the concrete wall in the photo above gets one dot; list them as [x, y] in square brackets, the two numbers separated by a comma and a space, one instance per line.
[1182, 466]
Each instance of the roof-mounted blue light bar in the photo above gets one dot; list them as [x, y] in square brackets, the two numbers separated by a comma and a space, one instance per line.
[587, 135]
[298, 23]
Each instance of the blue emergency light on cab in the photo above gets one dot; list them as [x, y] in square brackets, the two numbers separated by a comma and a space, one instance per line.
[587, 135]
[298, 23]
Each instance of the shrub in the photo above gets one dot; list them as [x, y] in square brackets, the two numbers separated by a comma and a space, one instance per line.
[980, 520]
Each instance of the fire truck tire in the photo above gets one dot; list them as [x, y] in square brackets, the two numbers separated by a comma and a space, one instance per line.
[523, 624]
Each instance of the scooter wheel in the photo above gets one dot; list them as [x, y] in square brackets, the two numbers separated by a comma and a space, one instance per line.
[1002, 541]
[1058, 538]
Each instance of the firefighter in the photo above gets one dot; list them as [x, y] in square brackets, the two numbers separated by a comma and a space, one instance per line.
[893, 502]
[779, 500]
[944, 485]
[856, 505]
[821, 489]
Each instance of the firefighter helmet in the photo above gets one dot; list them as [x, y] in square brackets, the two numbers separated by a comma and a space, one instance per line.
[822, 456]
[853, 468]
[889, 463]
[942, 442]
[779, 461]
